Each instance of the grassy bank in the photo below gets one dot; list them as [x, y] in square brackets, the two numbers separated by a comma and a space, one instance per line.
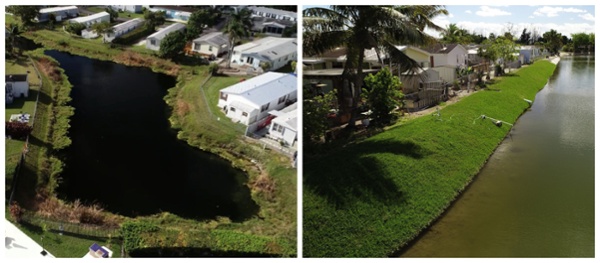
[271, 179]
[270, 176]
[393, 185]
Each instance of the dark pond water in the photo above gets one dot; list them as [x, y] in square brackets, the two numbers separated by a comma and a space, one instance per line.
[125, 156]
[535, 196]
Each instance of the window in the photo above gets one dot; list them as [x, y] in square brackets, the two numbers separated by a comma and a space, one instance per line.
[250, 60]
[232, 109]
[279, 128]
[197, 47]
[153, 42]
[281, 100]
[223, 96]
[275, 126]
[264, 107]
[209, 48]
[245, 114]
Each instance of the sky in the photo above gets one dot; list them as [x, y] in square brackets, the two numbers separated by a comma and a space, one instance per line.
[486, 19]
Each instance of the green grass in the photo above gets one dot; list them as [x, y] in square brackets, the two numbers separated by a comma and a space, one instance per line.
[67, 245]
[13, 149]
[26, 105]
[216, 133]
[372, 197]
[20, 65]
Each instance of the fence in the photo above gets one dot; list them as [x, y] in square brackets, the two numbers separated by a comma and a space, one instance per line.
[70, 228]
[25, 149]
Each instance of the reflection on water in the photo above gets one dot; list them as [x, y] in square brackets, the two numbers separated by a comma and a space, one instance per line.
[125, 156]
[535, 197]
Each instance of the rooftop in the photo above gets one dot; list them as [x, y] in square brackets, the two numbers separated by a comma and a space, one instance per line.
[83, 19]
[273, 11]
[214, 38]
[127, 24]
[269, 47]
[15, 77]
[165, 31]
[57, 9]
[263, 88]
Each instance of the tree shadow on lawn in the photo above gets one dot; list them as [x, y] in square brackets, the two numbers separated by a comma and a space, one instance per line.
[353, 174]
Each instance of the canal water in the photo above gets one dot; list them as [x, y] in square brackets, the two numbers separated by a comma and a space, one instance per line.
[125, 157]
[535, 196]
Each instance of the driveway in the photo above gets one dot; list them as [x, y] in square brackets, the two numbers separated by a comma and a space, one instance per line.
[19, 245]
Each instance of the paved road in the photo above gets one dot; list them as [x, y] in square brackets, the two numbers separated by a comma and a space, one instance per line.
[19, 245]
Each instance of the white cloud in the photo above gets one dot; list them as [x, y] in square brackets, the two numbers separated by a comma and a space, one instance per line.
[468, 12]
[553, 11]
[487, 11]
[588, 17]
[531, 16]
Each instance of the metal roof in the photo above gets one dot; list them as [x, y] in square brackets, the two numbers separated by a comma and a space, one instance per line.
[127, 24]
[165, 31]
[57, 9]
[264, 88]
[215, 38]
[270, 48]
[273, 11]
[83, 19]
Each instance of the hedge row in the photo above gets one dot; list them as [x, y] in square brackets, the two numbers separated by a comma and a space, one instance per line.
[133, 36]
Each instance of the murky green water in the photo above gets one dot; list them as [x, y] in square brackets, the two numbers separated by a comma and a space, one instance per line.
[535, 197]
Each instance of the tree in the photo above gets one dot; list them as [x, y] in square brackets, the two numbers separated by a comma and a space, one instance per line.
[199, 20]
[103, 29]
[290, 31]
[237, 27]
[26, 13]
[502, 48]
[454, 34]
[525, 38]
[172, 45]
[114, 14]
[75, 28]
[581, 42]
[13, 36]
[553, 41]
[154, 19]
[314, 116]
[265, 65]
[358, 28]
[382, 95]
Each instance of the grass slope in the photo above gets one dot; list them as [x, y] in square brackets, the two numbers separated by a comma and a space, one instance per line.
[371, 198]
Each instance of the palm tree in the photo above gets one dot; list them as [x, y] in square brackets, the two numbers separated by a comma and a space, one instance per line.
[103, 29]
[455, 34]
[358, 28]
[237, 27]
[13, 39]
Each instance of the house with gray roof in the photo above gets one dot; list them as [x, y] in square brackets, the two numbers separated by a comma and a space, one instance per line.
[60, 13]
[153, 41]
[278, 52]
[211, 45]
[249, 102]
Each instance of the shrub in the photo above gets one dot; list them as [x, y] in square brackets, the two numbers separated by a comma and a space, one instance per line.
[131, 232]
[133, 36]
[18, 130]
[16, 212]
[213, 68]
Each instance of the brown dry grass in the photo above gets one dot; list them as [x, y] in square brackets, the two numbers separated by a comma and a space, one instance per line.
[182, 108]
[50, 69]
[264, 185]
[131, 58]
[75, 212]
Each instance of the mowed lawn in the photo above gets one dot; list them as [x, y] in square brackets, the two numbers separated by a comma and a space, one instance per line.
[13, 147]
[370, 198]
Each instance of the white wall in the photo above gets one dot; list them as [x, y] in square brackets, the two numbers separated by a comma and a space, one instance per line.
[287, 135]
[447, 73]
[205, 48]
[20, 88]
